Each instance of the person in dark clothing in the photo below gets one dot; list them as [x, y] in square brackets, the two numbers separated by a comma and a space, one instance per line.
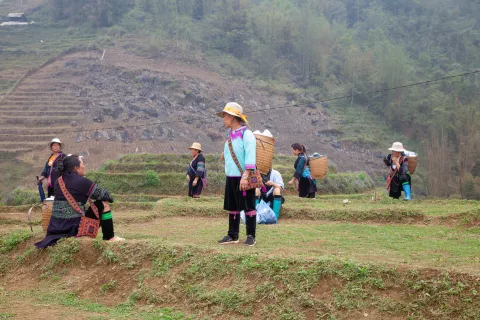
[399, 178]
[304, 183]
[50, 171]
[196, 171]
[237, 198]
[65, 221]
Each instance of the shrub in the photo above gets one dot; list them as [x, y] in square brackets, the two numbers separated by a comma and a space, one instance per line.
[21, 196]
[152, 178]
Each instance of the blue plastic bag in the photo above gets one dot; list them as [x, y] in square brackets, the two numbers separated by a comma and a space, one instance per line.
[265, 214]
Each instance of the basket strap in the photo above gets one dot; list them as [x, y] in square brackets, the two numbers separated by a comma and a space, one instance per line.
[234, 156]
[71, 200]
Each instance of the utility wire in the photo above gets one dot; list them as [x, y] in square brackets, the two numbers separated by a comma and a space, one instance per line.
[188, 119]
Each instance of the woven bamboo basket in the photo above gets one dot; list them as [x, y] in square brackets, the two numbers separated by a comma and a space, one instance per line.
[412, 164]
[265, 152]
[319, 167]
[46, 214]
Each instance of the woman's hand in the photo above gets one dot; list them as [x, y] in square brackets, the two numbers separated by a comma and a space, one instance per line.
[396, 161]
[188, 178]
[243, 184]
[194, 183]
[291, 181]
[270, 183]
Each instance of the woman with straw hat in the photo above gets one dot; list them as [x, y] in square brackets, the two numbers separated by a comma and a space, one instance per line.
[196, 171]
[50, 171]
[398, 178]
[239, 164]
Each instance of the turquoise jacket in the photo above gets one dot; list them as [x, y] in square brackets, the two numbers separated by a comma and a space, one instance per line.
[245, 146]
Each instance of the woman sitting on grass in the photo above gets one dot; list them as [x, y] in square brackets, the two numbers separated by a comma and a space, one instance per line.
[65, 221]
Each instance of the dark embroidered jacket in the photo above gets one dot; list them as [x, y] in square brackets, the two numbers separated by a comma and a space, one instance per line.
[52, 171]
[197, 167]
[81, 189]
[300, 166]
[403, 170]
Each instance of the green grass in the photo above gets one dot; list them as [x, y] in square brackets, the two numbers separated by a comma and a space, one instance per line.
[69, 301]
[206, 284]
[11, 241]
[437, 247]
[331, 207]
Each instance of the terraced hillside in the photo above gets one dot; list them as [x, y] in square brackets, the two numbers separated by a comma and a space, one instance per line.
[164, 174]
[94, 106]
[37, 110]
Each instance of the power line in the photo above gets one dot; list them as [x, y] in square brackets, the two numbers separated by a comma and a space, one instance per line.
[263, 110]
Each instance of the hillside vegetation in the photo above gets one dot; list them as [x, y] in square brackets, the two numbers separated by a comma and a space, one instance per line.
[313, 50]
[165, 175]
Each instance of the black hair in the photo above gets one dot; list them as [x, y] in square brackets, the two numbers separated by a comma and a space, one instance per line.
[299, 147]
[68, 163]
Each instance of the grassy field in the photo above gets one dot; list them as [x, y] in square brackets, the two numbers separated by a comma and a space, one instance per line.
[372, 257]
[323, 260]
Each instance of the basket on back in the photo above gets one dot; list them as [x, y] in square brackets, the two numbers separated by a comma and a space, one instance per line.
[47, 208]
[412, 164]
[319, 167]
[265, 152]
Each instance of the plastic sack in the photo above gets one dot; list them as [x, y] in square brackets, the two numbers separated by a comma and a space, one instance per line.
[265, 214]
[242, 217]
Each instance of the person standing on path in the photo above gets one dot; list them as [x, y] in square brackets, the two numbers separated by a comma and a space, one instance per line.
[196, 171]
[399, 178]
[50, 171]
[304, 183]
[242, 142]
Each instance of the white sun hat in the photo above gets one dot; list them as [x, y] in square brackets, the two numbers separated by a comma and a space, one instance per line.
[56, 140]
[196, 146]
[397, 146]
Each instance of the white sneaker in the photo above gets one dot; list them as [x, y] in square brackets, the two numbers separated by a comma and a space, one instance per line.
[116, 239]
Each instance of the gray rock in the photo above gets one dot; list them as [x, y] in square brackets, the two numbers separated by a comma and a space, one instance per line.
[151, 112]
[71, 64]
[97, 135]
[147, 135]
[73, 123]
[126, 137]
[79, 138]
[99, 118]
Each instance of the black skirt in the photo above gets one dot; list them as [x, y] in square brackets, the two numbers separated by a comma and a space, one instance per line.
[306, 188]
[197, 190]
[237, 200]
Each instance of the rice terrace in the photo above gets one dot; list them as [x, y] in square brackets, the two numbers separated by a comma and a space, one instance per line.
[357, 198]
